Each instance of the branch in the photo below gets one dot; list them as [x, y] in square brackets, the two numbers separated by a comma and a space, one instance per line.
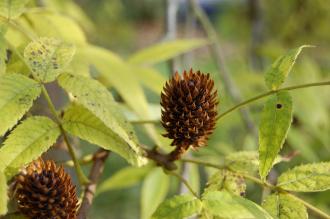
[95, 173]
[184, 181]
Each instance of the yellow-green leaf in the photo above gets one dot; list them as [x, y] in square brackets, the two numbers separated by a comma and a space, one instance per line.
[99, 101]
[124, 178]
[3, 53]
[80, 122]
[280, 69]
[27, 142]
[3, 194]
[150, 78]
[226, 180]
[17, 94]
[178, 207]
[226, 205]
[48, 57]
[283, 206]
[165, 50]
[153, 192]
[306, 178]
[275, 122]
[12, 8]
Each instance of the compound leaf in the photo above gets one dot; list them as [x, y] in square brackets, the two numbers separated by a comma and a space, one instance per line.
[17, 94]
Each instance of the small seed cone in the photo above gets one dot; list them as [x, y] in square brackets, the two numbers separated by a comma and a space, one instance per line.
[46, 191]
[189, 110]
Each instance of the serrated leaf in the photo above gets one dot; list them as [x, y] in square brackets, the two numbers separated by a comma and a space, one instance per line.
[48, 57]
[280, 69]
[165, 50]
[245, 161]
[226, 205]
[80, 122]
[178, 207]
[153, 192]
[98, 100]
[274, 125]
[12, 8]
[282, 206]
[228, 181]
[3, 194]
[124, 178]
[306, 178]
[17, 94]
[27, 142]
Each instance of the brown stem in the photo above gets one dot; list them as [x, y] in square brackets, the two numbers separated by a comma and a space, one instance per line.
[95, 173]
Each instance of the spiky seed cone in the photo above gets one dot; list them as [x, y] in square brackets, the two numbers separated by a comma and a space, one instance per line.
[46, 191]
[189, 110]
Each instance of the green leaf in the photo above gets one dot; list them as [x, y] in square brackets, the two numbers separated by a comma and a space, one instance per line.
[3, 194]
[12, 8]
[150, 78]
[98, 100]
[275, 123]
[165, 50]
[17, 94]
[3, 53]
[178, 207]
[193, 177]
[27, 142]
[80, 122]
[48, 57]
[153, 192]
[230, 206]
[228, 181]
[282, 206]
[280, 69]
[124, 178]
[245, 161]
[306, 178]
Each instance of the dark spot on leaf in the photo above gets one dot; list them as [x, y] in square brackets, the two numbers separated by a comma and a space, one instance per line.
[278, 106]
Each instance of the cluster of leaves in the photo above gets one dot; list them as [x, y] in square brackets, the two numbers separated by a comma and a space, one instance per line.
[48, 47]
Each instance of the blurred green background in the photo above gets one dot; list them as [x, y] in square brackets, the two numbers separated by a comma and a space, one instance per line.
[252, 33]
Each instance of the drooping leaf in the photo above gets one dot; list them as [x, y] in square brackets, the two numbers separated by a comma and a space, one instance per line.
[228, 181]
[17, 94]
[98, 100]
[124, 178]
[58, 25]
[48, 57]
[80, 122]
[226, 205]
[275, 123]
[282, 206]
[178, 207]
[245, 161]
[280, 69]
[12, 8]
[306, 178]
[165, 50]
[27, 142]
[3, 194]
[153, 192]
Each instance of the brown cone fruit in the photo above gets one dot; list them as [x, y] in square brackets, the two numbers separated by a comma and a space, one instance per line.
[189, 110]
[46, 191]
